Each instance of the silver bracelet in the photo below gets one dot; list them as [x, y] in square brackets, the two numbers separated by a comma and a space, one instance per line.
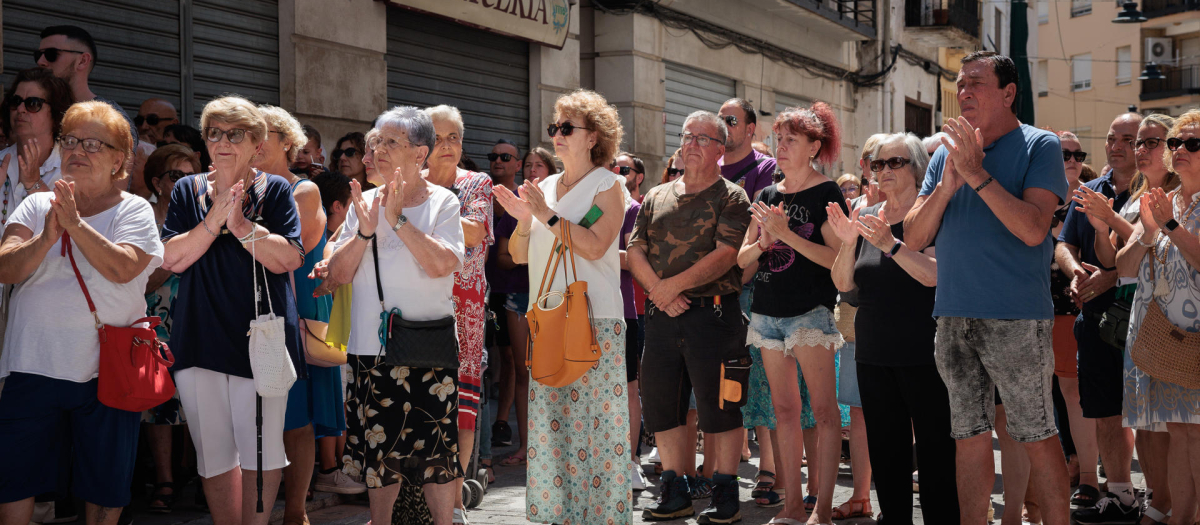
[206, 228]
[1142, 244]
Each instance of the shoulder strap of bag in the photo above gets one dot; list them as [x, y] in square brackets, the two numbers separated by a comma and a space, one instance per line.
[254, 266]
[550, 271]
[747, 169]
[378, 283]
[66, 250]
[566, 233]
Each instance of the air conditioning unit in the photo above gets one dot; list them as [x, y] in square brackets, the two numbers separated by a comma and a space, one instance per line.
[1160, 50]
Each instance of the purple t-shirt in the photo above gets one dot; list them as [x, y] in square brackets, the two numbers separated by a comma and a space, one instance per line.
[515, 280]
[627, 278]
[753, 177]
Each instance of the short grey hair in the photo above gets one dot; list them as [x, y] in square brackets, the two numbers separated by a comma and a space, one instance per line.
[415, 123]
[708, 117]
[932, 142]
[444, 112]
[916, 153]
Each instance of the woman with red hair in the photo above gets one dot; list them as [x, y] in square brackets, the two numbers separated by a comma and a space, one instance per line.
[792, 309]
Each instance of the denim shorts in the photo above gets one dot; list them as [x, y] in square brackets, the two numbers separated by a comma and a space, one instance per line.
[516, 302]
[783, 334]
[977, 357]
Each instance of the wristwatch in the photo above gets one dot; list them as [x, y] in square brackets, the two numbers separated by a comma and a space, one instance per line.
[400, 222]
[1171, 224]
[553, 220]
[895, 249]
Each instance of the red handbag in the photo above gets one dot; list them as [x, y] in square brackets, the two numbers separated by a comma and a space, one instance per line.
[133, 370]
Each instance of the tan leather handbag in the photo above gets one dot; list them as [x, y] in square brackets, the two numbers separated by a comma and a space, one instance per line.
[562, 343]
[317, 352]
[1163, 350]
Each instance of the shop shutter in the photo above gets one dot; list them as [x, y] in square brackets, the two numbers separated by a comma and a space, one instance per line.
[688, 90]
[433, 61]
[235, 49]
[784, 101]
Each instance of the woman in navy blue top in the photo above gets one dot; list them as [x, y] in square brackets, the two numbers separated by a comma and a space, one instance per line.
[211, 222]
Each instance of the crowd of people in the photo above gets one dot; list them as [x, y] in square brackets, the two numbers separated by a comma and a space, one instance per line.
[952, 287]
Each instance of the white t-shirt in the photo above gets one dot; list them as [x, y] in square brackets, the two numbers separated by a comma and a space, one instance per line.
[51, 331]
[405, 284]
[49, 172]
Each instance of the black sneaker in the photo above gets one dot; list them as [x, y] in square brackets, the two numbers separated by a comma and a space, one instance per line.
[673, 501]
[724, 507]
[702, 487]
[1108, 511]
[501, 434]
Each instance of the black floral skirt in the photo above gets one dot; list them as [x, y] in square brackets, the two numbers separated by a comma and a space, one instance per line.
[403, 425]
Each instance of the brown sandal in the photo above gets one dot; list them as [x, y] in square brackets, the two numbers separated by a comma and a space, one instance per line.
[846, 510]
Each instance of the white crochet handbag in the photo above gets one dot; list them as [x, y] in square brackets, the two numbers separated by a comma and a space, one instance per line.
[269, 359]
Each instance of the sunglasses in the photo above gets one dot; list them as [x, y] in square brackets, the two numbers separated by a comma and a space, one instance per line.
[730, 120]
[622, 170]
[1079, 155]
[236, 135]
[32, 104]
[1192, 144]
[69, 142]
[567, 129]
[174, 175]
[505, 157]
[672, 172]
[348, 152]
[150, 119]
[51, 53]
[1151, 144]
[894, 163]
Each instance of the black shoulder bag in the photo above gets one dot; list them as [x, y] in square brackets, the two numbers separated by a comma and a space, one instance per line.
[416, 344]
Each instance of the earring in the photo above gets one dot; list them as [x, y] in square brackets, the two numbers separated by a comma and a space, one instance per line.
[114, 171]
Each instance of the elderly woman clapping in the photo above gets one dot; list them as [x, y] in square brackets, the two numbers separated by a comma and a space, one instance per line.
[213, 223]
[52, 350]
[400, 246]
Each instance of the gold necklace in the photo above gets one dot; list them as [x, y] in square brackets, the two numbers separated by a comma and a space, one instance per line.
[563, 180]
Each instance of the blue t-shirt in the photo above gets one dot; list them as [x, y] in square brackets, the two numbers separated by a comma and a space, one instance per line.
[984, 271]
[215, 303]
[1078, 232]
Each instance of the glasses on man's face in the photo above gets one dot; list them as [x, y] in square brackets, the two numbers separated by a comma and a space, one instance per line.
[70, 142]
[701, 140]
[377, 142]
[1077, 155]
[1151, 144]
[235, 135]
[730, 120]
[566, 128]
[504, 157]
[348, 152]
[153, 120]
[894, 163]
[51, 53]
[32, 104]
[850, 188]
[1192, 144]
[675, 172]
[174, 175]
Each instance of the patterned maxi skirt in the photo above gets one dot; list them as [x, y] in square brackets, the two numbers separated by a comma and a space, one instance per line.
[578, 457]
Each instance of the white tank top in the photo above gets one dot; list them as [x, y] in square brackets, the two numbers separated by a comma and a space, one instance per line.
[602, 275]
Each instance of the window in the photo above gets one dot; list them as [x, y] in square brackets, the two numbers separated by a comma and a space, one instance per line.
[1043, 77]
[1044, 11]
[1081, 72]
[918, 118]
[1124, 65]
[1080, 7]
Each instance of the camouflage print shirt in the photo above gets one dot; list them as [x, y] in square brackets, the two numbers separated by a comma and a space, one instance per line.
[676, 231]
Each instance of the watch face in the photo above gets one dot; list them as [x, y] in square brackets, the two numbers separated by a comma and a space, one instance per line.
[1171, 225]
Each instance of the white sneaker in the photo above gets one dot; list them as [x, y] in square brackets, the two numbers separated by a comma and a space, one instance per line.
[337, 483]
[653, 457]
[639, 478]
[460, 517]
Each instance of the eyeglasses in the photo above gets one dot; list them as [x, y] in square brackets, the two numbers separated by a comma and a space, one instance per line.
[236, 135]
[153, 120]
[849, 189]
[32, 104]
[69, 142]
[623, 170]
[174, 175]
[894, 163]
[730, 120]
[348, 152]
[51, 53]
[1151, 144]
[377, 142]
[504, 157]
[567, 129]
[701, 140]
[1192, 144]
[672, 172]
[1078, 155]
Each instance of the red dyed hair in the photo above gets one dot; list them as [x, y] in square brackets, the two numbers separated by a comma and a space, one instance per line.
[819, 124]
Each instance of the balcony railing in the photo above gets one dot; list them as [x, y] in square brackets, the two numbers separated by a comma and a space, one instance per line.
[961, 14]
[857, 15]
[1156, 8]
[1179, 81]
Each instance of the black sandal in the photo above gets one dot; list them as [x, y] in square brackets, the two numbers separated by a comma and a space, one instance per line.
[761, 488]
[1085, 496]
[167, 500]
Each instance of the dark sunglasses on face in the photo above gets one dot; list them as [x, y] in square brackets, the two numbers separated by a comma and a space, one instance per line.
[236, 135]
[70, 142]
[894, 163]
[174, 175]
[32, 104]
[567, 129]
[623, 170]
[671, 172]
[730, 120]
[150, 119]
[1192, 144]
[1151, 144]
[51, 53]
[348, 152]
[1079, 155]
[505, 157]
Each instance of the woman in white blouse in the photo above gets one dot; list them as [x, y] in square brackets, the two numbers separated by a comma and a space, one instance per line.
[578, 462]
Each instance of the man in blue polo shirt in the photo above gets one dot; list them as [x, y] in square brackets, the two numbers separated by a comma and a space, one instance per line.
[989, 196]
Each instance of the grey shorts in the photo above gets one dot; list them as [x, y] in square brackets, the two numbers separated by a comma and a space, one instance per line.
[1015, 356]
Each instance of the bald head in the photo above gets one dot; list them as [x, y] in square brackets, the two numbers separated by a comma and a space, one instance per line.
[153, 117]
[1118, 145]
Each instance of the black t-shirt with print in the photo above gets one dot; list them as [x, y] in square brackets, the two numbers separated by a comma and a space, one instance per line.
[788, 284]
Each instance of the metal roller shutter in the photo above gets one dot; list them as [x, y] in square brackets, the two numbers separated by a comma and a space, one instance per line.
[784, 101]
[235, 48]
[486, 76]
[689, 90]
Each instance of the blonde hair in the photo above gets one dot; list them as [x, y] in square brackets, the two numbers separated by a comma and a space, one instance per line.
[1140, 184]
[1190, 118]
[235, 111]
[599, 116]
[444, 112]
[289, 128]
[849, 177]
[115, 124]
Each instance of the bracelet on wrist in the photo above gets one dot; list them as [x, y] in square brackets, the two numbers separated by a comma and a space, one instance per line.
[209, 230]
[359, 234]
[249, 236]
[984, 185]
[1143, 244]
